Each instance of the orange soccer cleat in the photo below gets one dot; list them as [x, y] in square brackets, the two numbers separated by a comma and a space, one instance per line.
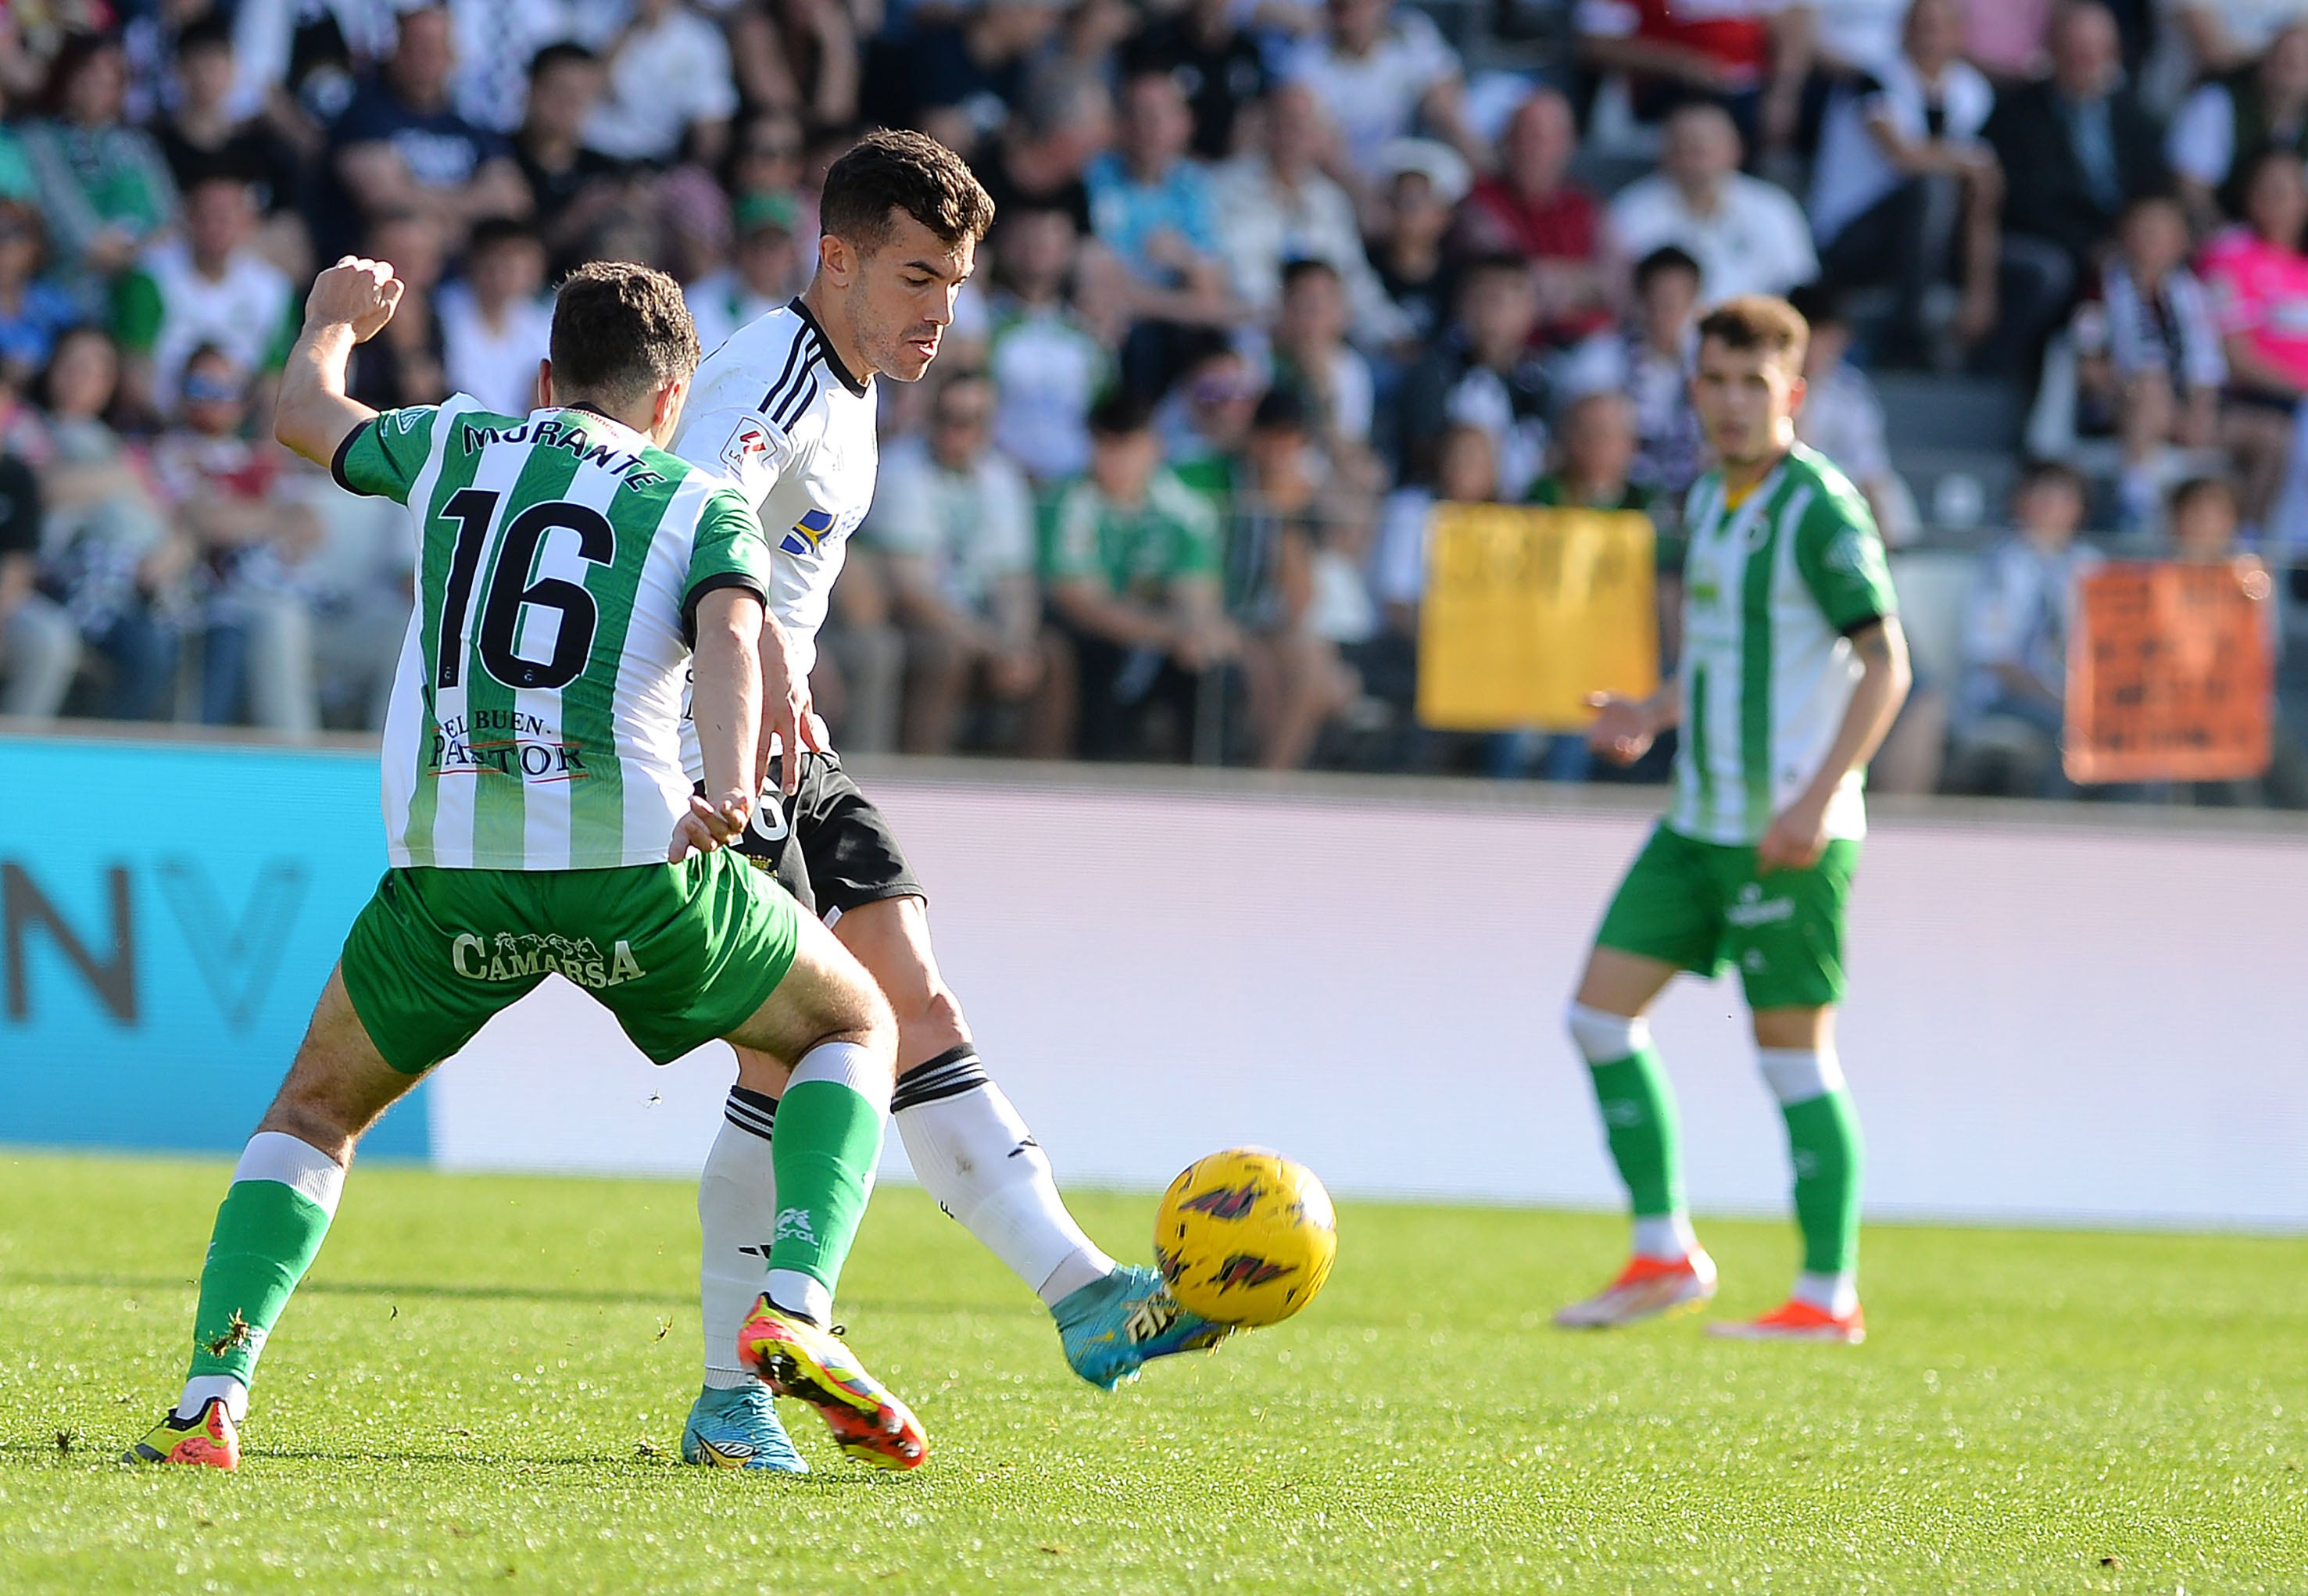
[1796, 1320]
[209, 1439]
[1646, 1289]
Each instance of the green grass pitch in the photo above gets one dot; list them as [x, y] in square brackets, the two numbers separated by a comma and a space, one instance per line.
[481, 1386]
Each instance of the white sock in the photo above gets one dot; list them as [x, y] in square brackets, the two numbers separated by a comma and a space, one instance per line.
[200, 1388]
[1798, 1074]
[1837, 1294]
[737, 1210]
[973, 1153]
[1665, 1236]
[803, 1294]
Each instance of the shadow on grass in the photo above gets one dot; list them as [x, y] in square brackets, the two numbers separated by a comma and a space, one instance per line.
[86, 1451]
[556, 1294]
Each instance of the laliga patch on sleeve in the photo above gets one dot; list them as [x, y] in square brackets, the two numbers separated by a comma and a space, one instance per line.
[750, 455]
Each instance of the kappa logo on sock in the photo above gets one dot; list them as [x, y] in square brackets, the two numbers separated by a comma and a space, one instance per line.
[793, 1225]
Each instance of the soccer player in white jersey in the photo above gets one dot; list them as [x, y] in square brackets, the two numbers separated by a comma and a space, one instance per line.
[785, 409]
[538, 820]
[1792, 669]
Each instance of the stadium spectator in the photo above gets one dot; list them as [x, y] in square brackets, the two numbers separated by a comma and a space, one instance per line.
[1749, 236]
[32, 310]
[1383, 71]
[801, 56]
[1752, 57]
[958, 73]
[1465, 473]
[1649, 359]
[671, 91]
[111, 556]
[403, 364]
[1906, 194]
[211, 285]
[1047, 367]
[1204, 420]
[1276, 205]
[40, 646]
[1423, 181]
[495, 325]
[2006, 38]
[2258, 277]
[401, 146]
[954, 523]
[2149, 355]
[2011, 704]
[104, 186]
[1532, 206]
[1155, 211]
[1483, 371]
[1061, 123]
[1133, 568]
[205, 136]
[1593, 469]
[569, 185]
[496, 40]
[2074, 148]
[766, 271]
[256, 626]
[1856, 38]
[1312, 358]
[2225, 124]
[1294, 584]
[1216, 61]
[1843, 419]
[2216, 38]
[766, 159]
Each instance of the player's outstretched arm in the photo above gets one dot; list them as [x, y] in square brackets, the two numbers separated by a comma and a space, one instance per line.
[1798, 834]
[350, 303]
[726, 704]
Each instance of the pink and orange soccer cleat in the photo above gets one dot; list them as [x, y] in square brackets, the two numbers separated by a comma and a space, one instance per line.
[209, 1439]
[800, 1361]
[1646, 1289]
[1795, 1320]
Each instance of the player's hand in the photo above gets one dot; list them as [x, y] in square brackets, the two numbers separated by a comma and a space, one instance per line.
[708, 827]
[356, 292]
[1796, 839]
[789, 713]
[1623, 728]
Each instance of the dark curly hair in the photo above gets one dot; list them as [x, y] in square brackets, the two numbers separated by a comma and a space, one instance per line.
[895, 170]
[619, 331]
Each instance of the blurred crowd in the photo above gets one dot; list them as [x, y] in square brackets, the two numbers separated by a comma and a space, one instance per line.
[1270, 281]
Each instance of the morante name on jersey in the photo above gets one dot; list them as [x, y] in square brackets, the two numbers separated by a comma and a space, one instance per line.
[554, 433]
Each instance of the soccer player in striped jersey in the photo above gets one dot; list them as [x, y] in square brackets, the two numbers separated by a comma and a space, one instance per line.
[785, 409]
[539, 820]
[1792, 669]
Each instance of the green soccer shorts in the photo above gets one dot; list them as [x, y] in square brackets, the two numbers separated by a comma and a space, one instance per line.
[680, 953]
[1700, 905]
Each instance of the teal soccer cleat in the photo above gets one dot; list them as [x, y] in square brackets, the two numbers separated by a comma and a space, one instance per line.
[738, 1430]
[1113, 1328]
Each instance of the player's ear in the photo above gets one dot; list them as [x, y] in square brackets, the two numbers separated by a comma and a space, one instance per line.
[665, 415]
[836, 259]
[545, 385]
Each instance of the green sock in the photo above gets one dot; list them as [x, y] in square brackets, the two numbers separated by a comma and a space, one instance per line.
[1824, 1144]
[828, 1140]
[266, 1234]
[1638, 1122]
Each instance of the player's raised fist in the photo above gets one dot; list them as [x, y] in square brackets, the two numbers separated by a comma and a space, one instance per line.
[356, 292]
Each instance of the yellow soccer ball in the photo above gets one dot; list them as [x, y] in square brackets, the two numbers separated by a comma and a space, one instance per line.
[1245, 1236]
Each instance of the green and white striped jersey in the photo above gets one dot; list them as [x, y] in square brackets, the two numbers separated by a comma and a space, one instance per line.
[1771, 591]
[536, 717]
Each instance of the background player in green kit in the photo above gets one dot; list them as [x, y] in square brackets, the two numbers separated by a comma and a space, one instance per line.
[1792, 669]
[539, 820]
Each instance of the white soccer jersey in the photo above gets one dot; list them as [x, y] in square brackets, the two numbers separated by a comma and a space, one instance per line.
[774, 411]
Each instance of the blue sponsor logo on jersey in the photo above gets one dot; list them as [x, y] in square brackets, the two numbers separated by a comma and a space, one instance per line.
[808, 533]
